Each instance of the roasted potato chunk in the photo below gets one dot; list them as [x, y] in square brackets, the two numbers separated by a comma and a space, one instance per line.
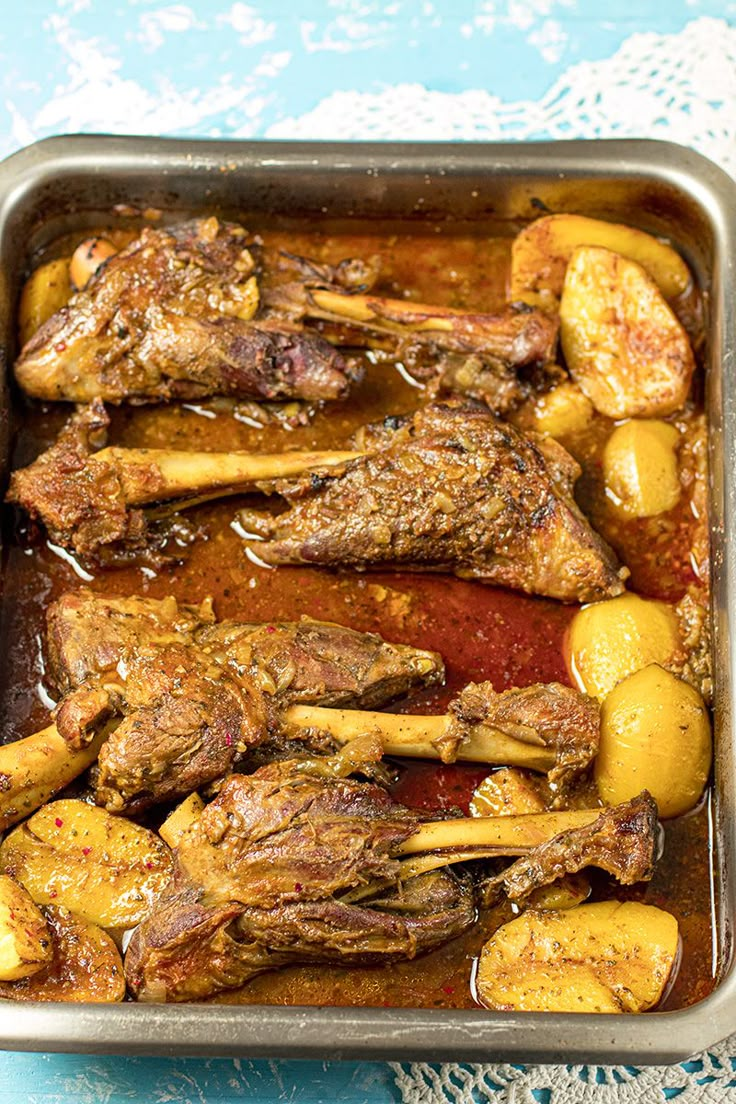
[541, 252]
[566, 893]
[607, 641]
[182, 817]
[507, 792]
[105, 868]
[89, 255]
[25, 941]
[45, 292]
[622, 343]
[563, 411]
[85, 965]
[604, 957]
[640, 468]
[655, 735]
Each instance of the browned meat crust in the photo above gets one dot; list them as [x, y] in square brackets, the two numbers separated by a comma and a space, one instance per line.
[489, 357]
[257, 878]
[550, 714]
[196, 697]
[169, 318]
[450, 488]
[622, 841]
[295, 661]
[186, 723]
[81, 505]
[87, 634]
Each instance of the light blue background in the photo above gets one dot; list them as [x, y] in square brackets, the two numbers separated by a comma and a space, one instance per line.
[223, 68]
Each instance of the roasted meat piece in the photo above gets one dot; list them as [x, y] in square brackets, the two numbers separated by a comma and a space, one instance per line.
[295, 661]
[257, 883]
[546, 727]
[81, 507]
[170, 317]
[87, 634]
[489, 357]
[195, 696]
[549, 714]
[299, 863]
[622, 841]
[98, 501]
[186, 722]
[449, 488]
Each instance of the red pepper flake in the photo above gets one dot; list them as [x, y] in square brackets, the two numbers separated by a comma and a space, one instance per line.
[59, 822]
[297, 887]
[228, 739]
[86, 850]
[149, 864]
[270, 628]
[448, 989]
[52, 894]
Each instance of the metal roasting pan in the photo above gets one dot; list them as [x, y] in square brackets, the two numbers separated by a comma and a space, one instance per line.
[65, 184]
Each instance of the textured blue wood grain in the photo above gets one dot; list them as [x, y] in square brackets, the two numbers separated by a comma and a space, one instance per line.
[76, 1079]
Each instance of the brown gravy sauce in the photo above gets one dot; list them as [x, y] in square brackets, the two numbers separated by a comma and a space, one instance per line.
[482, 632]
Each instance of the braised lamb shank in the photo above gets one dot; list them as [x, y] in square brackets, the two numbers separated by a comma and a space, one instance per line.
[449, 488]
[194, 696]
[171, 317]
[192, 699]
[299, 863]
[96, 500]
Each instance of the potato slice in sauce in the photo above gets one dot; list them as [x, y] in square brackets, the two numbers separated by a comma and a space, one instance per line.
[25, 941]
[609, 956]
[623, 345]
[45, 292]
[655, 735]
[105, 868]
[540, 254]
[85, 966]
[608, 641]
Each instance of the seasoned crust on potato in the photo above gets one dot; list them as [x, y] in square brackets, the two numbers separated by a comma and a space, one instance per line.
[85, 965]
[622, 343]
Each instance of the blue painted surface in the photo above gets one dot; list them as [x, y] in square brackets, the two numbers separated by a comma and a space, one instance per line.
[216, 67]
[74, 1079]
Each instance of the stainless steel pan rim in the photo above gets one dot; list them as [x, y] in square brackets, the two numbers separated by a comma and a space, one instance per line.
[58, 183]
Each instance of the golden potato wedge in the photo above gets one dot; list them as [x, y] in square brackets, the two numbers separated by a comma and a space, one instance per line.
[655, 735]
[105, 868]
[607, 641]
[609, 956]
[540, 255]
[563, 411]
[89, 255]
[181, 818]
[622, 343]
[507, 792]
[566, 893]
[45, 292]
[85, 965]
[640, 467]
[25, 940]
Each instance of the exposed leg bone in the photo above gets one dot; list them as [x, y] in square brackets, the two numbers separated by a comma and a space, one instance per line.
[35, 768]
[152, 475]
[549, 728]
[516, 336]
[90, 499]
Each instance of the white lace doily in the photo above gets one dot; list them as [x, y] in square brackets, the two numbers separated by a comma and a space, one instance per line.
[707, 1079]
[681, 87]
